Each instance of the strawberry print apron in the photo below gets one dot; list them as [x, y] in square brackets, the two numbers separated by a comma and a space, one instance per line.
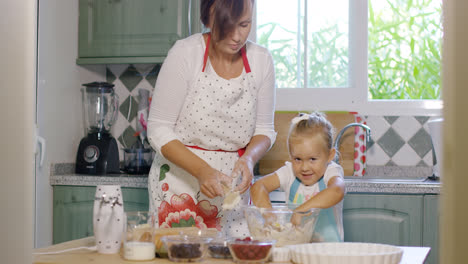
[216, 120]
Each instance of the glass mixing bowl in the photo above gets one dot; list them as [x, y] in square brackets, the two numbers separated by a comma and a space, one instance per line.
[281, 223]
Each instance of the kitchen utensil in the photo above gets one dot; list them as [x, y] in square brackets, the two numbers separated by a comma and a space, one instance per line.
[275, 223]
[435, 130]
[98, 152]
[346, 252]
[142, 114]
[108, 218]
[138, 160]
[139, 235]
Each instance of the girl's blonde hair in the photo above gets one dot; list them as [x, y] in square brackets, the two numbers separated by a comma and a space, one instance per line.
[311, 124]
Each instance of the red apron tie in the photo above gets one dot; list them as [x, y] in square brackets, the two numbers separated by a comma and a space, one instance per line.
[239, 151]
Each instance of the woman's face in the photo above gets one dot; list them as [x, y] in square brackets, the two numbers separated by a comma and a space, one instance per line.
[309, 157]
[236, 39]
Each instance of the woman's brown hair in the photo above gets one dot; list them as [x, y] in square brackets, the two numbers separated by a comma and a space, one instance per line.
[226, 15]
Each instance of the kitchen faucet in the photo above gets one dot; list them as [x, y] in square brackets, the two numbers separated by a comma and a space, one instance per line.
[340, 134]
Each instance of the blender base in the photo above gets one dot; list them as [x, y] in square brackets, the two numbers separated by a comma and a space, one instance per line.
[98, 154]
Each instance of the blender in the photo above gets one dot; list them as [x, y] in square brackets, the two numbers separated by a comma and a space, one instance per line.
[98, 152]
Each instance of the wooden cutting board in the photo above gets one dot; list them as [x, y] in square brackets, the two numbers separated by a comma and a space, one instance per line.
[278, 154]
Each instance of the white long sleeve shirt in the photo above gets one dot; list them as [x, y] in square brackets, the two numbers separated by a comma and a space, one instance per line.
[178, 73]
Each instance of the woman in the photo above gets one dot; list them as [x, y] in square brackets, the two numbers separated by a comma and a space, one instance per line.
[211, 120]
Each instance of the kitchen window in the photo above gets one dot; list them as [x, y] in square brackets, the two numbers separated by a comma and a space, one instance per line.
[371, 56]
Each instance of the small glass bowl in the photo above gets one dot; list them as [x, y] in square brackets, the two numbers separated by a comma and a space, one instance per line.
[183, 248]
[248, 250]
[218, 248]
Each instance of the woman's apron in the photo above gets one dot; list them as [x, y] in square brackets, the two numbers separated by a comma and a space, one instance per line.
[217, 119]
[326, 229]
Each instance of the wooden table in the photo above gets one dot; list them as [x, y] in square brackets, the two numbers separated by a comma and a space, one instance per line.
[411, 255]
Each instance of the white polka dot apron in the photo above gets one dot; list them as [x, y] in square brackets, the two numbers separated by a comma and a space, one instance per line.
[217, 119]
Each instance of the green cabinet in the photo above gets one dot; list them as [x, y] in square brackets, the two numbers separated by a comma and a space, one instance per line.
[73, 209]
[395, 219]
[133, 31]
[431, 227]
[389, 219]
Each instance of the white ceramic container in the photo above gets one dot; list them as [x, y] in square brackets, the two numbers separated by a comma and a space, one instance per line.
[108, 218]
[345, 252]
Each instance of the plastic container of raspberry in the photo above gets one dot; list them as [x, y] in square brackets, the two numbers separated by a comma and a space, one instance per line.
[249, 250]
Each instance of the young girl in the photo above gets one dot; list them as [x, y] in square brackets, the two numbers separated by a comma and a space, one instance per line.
[311, 178]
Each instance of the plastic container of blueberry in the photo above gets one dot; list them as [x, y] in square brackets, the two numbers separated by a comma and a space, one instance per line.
[183, 248]
[218, 248]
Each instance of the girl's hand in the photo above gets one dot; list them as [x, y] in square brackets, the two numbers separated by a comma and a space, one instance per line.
[297, 216]
[296, 219]
[211, 183]
[243, 167]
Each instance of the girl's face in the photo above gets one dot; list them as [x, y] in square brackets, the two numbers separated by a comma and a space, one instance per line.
[236, 39]
[310, 157]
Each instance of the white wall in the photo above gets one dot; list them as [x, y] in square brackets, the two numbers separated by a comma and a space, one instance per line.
[59, 107]
[17, 71]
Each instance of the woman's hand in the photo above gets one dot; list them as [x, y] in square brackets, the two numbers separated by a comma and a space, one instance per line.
[211, 181]
[243, 168]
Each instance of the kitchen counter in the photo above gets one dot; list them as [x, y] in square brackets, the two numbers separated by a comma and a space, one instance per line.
[390, 180]
[392, 186]
[124, 180]
[411, 255]
[353, 184]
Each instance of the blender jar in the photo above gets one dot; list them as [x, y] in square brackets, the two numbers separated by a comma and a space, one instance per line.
[100, 106]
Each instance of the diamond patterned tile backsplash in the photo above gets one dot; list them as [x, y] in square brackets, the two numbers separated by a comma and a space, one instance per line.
[395, 140]
[128, 80]
[399, 141]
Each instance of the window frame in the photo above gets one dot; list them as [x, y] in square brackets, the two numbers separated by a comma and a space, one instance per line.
[354, 97]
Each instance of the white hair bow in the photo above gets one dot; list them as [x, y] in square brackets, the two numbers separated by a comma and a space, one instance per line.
[297, 119]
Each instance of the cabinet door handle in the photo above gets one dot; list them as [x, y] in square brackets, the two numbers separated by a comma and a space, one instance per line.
[40, 141]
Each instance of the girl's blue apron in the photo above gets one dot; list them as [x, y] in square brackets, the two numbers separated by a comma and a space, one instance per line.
[326, 222]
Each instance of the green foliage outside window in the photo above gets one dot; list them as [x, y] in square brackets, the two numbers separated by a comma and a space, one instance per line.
[283, 51]
[404, 47]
